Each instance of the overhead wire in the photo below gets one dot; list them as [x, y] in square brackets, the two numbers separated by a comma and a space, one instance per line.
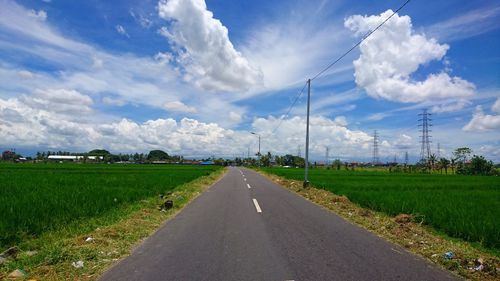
[290, 108]
[360, 41]
[336, 61]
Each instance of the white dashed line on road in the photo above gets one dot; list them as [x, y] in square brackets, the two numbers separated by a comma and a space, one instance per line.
[249, 186]
[257, 207]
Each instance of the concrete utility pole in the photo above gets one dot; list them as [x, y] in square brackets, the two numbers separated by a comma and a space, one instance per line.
[306, 171]
[258, 153]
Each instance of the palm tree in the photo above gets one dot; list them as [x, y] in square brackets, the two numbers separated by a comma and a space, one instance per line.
[453, 163]
[443, 164]
[432, 160]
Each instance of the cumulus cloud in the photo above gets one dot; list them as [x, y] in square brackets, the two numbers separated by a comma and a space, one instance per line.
[178, 106]
[389, 57]
[202, 46]
[120, 29]
[481, 122]
[34, 121]
[324, 132]
[341, 121]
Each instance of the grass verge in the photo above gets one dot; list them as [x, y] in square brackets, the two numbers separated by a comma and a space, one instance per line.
[413, 236]
[51, 256]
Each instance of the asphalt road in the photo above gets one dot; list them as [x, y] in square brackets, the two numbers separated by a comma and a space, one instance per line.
[247, 228]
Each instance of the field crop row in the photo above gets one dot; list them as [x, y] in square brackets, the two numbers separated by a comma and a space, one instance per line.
[466, 207]
[36, 198]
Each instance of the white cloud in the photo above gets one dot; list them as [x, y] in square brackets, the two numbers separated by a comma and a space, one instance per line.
[40, 15]
[120, 29]
[390, 55]
[163, 58]
[203, 48]
[324, 132]
[235, 117]
[341, 121]
[496, 106]
[178, 106]
[481, 122]
[404, 142]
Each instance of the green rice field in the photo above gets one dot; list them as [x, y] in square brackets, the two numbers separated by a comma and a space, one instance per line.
[466, 207]
[37, 198]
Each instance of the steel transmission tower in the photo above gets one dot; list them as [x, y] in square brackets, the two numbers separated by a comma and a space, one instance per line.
[406, 158]
[425, 149]
[439, 151]
[375, 159]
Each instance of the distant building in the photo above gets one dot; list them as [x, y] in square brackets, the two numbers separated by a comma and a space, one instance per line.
[73, 158]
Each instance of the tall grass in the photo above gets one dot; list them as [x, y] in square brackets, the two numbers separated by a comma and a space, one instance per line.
[38, 198]
[466, 207]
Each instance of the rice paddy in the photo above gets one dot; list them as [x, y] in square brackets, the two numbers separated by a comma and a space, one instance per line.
[465, 207]
[39, 198]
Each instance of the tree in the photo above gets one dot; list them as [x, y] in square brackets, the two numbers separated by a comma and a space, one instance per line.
[337, 163]
[99, 152]
[480, 166]
[462, 153]
[432, 161]
[443, 164]
[158, 155]
[453, 163]
[265, 159]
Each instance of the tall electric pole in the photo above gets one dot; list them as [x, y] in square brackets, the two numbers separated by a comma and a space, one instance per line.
[306, 170]
[425, 149]
[406, 158]
[439, 151]
[375, 159]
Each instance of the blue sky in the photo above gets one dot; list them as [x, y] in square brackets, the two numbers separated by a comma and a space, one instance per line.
[194, 77]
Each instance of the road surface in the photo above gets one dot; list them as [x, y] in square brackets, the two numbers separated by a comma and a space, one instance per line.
[247, 228]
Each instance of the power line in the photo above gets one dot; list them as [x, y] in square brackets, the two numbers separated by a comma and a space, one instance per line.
[337, 60]
[360, 41]
[290, 108]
